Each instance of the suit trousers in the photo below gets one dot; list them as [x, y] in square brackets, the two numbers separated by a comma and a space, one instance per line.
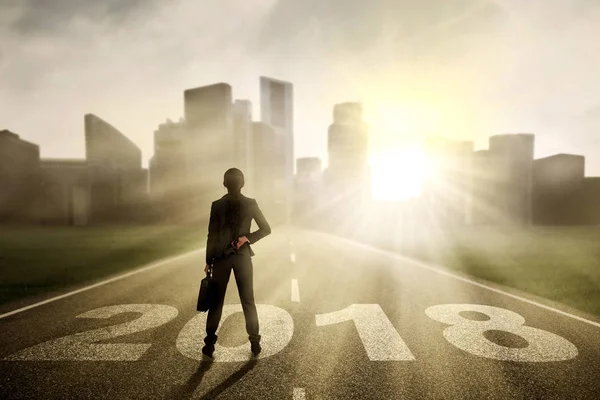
[242, 270]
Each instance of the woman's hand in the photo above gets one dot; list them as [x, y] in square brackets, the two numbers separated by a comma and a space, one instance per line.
[206, 269]
[240, 242]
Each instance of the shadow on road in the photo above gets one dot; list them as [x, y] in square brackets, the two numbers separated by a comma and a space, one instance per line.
[195, 380]
[239, 374]
[187, 391]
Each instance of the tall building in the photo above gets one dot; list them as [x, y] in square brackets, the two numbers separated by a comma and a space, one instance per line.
[447, 188]
[309, 169]
[208, 117]
[348, 149]
[19, 178]
[503, 181]
[269, 173]
[106, 146]
[308, 185]
[277, 110]
[485, 179]
[514, 154]
[118, 184]
[242, 128]
[346, 190]
[169, 175]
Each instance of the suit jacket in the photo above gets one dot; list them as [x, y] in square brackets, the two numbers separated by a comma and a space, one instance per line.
[220, 235]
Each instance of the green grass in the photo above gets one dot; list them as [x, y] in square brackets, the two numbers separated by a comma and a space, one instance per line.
[561, 264]
[36, 260]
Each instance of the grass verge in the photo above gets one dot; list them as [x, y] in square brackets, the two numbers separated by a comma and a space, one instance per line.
[35, 260]
[557, 263]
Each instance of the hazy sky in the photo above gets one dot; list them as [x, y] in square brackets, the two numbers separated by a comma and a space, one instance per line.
[460, 68]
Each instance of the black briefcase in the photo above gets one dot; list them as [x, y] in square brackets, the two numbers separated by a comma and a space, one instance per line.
[208, 293]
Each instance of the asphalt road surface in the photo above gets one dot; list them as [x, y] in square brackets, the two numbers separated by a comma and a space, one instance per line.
[339, 320]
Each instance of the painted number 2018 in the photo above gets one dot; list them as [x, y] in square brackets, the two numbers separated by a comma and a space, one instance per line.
[379, 337]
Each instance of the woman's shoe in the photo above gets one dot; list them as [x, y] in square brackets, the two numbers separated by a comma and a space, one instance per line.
[208, 350]
[255, 348]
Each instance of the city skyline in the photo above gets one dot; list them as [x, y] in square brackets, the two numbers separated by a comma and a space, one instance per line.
[506, 53]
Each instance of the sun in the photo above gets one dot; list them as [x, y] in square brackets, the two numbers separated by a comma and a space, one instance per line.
[397, 160]
[397, 174]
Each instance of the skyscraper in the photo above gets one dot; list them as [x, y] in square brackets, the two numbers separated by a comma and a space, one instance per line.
[268, 172]
[277, 110]
[348, 149]
[169, 174]
[106, 146]
[117, 181]
[514, 154]
[308, 185]
[208, 117]
[242, 130]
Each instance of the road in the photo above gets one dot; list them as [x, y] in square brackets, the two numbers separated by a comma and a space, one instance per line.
[339, 320]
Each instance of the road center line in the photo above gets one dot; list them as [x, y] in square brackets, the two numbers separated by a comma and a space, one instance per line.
[295, 291]
[442, 271]
[299, 394]
[145, 268]
[293, 257]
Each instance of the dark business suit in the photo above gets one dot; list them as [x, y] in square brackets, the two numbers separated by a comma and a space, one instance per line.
[220, 253]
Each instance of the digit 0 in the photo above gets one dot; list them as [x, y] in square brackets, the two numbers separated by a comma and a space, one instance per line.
[276, 324]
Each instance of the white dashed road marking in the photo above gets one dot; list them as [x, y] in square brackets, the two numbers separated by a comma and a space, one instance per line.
[293, 257]
[295, 291]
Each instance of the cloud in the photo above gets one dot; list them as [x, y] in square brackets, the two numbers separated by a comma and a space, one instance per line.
[492, 65]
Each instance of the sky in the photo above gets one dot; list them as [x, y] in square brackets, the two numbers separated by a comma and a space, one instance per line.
[463, 69]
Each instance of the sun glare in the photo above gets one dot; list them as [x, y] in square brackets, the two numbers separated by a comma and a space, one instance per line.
[397, 174]
[397, 160]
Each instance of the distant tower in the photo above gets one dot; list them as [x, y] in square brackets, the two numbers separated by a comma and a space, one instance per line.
[208, 117]
[348, 148]
[118, 183]
[277, 110]
[106, 146]
[242, 130]
[514, 155]
[556, 179]
[448, 187]
[169, 174]
[308, 186]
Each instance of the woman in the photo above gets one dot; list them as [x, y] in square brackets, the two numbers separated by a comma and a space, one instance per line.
[227, 248]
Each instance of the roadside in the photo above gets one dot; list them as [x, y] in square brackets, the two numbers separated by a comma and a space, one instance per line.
[561, 264]
[41, 260]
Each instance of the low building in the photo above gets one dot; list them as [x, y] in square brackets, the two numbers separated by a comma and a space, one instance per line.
[555, 180]
[66, 185]
[308, 186]
[20, 179]
[502, 181]
[447, 187]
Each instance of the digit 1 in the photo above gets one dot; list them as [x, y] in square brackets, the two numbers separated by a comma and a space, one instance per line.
[381, 341]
